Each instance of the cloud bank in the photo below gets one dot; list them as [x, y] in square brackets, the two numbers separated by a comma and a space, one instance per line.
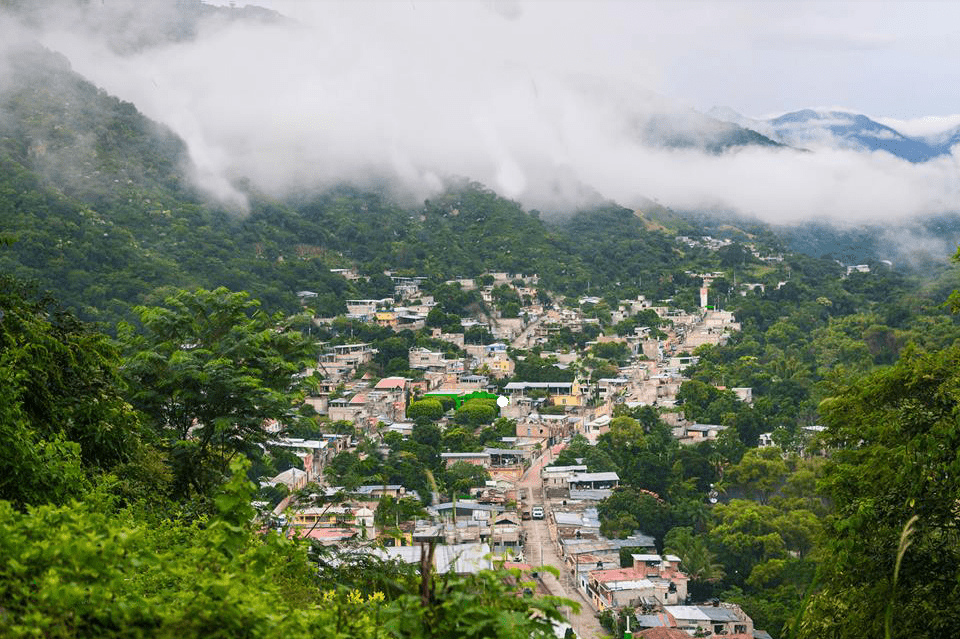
[543, 102]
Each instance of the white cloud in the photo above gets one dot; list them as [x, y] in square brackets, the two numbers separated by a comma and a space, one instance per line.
[926, 127]
[539, 101]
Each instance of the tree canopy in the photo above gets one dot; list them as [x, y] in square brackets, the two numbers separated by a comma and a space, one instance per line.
[208, 371]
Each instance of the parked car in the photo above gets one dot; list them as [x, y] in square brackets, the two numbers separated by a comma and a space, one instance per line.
[537, 512]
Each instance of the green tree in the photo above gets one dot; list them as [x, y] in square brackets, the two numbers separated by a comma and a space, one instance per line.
[208, 371]
[425, 408]
[893, 437]
[62, 416]
[745, 536]
[460, 477]
[460, 440]
[759, 472]
[475, 412]
[696, 559]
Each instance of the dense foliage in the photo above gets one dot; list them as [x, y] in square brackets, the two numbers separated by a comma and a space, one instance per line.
[94, 547]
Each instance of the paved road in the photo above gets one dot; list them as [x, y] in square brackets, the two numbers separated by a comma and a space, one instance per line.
[540, 549]
[526, 335]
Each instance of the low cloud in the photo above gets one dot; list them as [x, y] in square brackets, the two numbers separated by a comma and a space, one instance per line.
[930, 127]
[421, 91]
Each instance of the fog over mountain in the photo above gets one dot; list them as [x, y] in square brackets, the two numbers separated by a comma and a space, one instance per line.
[550, 104]
[844, 129]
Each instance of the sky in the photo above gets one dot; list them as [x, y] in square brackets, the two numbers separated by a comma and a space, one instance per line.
[542, 100]
[887, 59]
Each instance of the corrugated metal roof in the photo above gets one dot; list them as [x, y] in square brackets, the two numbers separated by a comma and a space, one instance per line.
[652, 621]
[563, 469]
[646, 557]
[692, 613]
[719, 613]
[611, 476]
[628, 584]
[590, 494]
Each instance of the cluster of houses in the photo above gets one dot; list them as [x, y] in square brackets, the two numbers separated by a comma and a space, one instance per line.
[715, 244]
[546, 412]
[471, 531]
[653, 586]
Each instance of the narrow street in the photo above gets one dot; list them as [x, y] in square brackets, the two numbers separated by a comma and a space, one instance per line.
[524, 339]
[541, 549]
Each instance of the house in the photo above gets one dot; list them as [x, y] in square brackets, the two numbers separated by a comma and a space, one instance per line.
[405, 429]
[395, 390]
[597, 427]
[658, 620]
[424, 358]
[481, 458]
[330, 516]
[355, 354]
[611, 589]
[593, 481]
[719, 618]
[654, 583]
[588, 552]
[461, 559]
[313, 453]
[500, 365]
[557, 476]
[573, 547]
[386, 319]
[324, 536]
[561, 393]
[506, 457]
[465, 283]
[695, 433]
[469, 509]
[454, 338]
[549, 430]
[608, 387]
[293, 478]
[584, 524]
[507, 463]
[348, 273]
[374, 492]
[506, 532]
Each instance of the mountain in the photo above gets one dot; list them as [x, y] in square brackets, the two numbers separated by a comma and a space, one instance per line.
[729, 115]
[850, 130]
[131, 27]
[99, 201]
[842, 129]
[946, 140]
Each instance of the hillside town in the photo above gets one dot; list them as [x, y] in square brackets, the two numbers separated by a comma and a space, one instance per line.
[528, 512]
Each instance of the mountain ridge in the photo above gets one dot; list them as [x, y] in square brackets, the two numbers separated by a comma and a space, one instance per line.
[843, 129]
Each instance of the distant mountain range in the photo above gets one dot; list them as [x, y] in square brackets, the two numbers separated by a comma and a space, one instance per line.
[809, 128]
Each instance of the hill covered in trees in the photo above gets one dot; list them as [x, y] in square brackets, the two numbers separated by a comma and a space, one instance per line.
[101, 205]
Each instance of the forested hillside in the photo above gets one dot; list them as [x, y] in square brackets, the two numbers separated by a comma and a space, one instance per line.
[100, 202]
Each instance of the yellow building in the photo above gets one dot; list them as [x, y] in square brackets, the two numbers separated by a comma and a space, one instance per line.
[387, 319]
